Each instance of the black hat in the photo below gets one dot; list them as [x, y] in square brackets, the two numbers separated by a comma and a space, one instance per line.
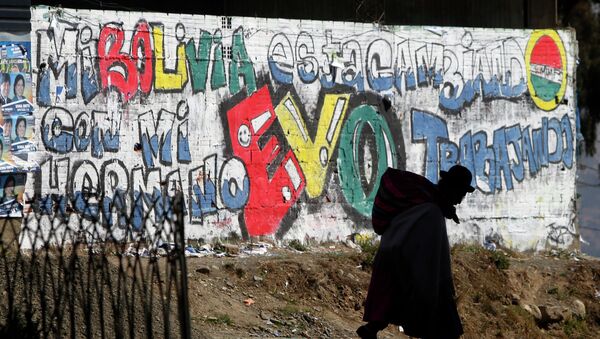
[460, 176]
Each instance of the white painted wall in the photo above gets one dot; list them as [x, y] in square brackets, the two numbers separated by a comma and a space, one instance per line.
[315, 193]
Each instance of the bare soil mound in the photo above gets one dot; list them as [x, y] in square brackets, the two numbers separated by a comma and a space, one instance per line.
[320, 292]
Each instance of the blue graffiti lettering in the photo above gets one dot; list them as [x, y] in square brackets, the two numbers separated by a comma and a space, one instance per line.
[501, 161]
[308, 66]
[281, 59]
[155, 136]
[235, 184]
[428, 128]
[57, 126]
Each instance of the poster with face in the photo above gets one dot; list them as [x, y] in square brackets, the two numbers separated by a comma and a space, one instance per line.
[12, 187]
[15, 69]
[16, 120]
[6, 159]
[4, 88]
[20, 88]
[18, 128]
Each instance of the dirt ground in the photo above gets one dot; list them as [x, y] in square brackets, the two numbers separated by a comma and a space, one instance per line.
[316, 292]
[319, 293]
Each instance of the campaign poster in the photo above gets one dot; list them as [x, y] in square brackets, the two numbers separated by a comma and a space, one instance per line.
[18, 128]
[15, 72]
[12, 188]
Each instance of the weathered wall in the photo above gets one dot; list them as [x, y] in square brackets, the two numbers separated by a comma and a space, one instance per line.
[279, 127]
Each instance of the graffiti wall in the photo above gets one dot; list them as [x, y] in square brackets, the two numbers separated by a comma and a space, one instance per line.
[283, 127]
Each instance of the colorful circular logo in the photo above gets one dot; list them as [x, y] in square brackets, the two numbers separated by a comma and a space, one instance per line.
[546, 65]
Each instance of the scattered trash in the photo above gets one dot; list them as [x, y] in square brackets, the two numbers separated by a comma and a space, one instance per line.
[574, 255]
[191, 252]
[351, 244]
[248, 301]
[259, 248]
[490, 242]
[205, 250]
[133, 251]
[489, 245]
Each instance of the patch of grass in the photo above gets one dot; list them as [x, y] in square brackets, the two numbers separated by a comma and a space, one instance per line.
[575, 327]
[560, 293]
[517, 312]
[517, 315]
[291, 309]
[240, 272]
[218, 247]
[368, 246]
[500, 260]
[220, 319]
[234, 237]
[488, 308]
[468, 248]
[297, 245]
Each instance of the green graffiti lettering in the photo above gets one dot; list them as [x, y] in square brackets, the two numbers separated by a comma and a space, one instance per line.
[240, 65]
[218, 70]
[199, 60]
[362, 127]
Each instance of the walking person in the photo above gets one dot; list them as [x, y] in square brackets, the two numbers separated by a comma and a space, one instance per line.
[411, 283]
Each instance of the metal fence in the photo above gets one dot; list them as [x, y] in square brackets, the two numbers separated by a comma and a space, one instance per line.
[67, 275]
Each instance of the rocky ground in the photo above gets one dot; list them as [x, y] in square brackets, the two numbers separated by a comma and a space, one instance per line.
[237, 291]
[318, 292]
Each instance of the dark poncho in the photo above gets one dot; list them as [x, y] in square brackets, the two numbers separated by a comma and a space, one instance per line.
[401, 190]
[411, 284]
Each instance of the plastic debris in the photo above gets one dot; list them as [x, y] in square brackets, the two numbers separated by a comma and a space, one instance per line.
[133, 251]
[489, 245]
[190, 251]
[248, 301]
[259, 248]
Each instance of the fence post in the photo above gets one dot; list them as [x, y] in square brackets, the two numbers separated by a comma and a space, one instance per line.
[184, 307]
